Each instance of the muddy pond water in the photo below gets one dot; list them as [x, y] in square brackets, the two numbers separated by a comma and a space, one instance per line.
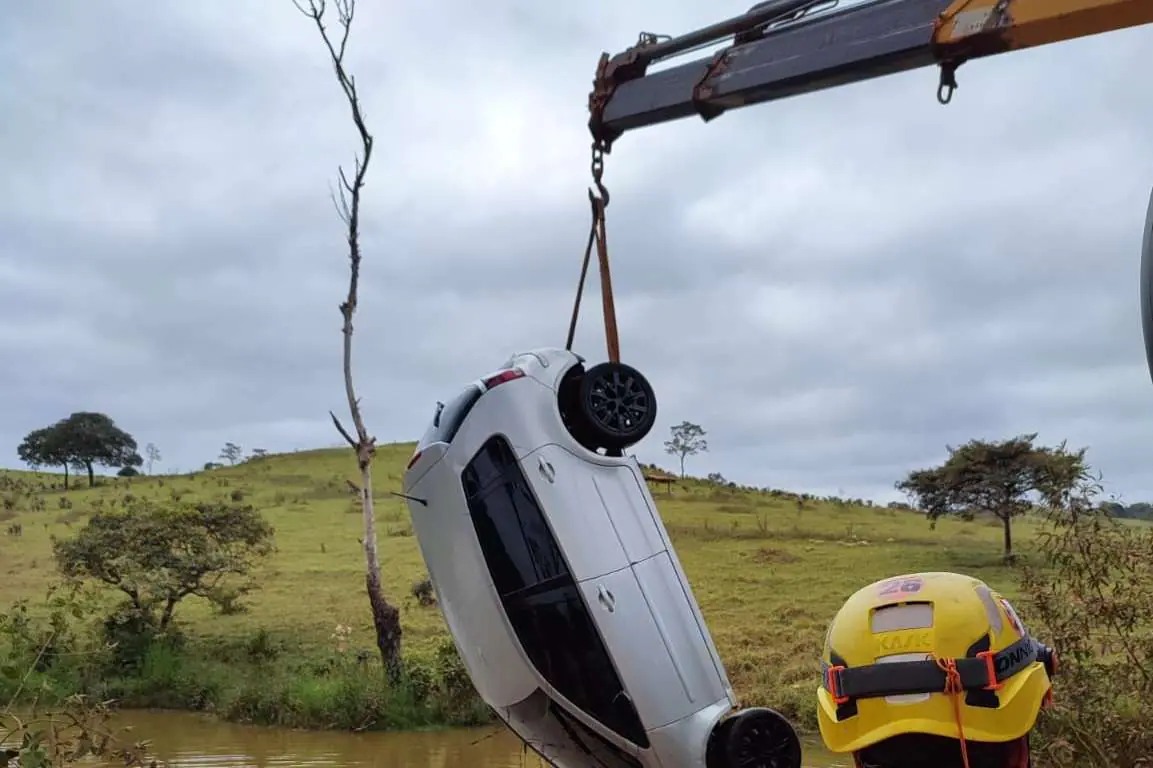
[185, 740]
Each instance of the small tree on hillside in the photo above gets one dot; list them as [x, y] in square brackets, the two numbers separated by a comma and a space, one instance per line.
[152, 455]
[232, 453]
[688, 439]
[385, 617]
[158, 555]
[995, 478]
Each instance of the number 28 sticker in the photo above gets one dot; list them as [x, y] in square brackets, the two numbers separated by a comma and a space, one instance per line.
[900, 587]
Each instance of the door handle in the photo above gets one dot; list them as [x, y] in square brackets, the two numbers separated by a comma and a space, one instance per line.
[546, 469]
[606, 599]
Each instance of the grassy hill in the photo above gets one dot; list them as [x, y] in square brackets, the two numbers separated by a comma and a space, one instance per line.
[768, 569]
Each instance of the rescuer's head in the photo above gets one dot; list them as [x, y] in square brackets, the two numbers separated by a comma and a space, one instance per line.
[935, 670]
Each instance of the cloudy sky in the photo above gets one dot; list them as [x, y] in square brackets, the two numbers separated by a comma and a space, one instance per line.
[836, 286]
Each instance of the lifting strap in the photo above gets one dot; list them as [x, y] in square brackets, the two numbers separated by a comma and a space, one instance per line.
[598, 237]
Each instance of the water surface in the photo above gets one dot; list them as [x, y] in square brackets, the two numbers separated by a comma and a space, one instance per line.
[187, 740]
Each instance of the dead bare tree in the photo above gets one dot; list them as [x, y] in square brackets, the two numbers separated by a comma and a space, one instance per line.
[385, 617]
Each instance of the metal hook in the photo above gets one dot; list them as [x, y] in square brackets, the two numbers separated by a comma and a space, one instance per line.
[598, 169]
[948, 82]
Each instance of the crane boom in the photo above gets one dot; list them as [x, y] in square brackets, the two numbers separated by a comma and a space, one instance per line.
[782, 48]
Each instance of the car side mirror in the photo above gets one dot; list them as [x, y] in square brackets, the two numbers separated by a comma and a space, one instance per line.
[1147, 286]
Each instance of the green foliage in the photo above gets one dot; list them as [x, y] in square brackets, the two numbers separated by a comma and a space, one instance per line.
[1093, 595]
[687, 439]
[72, 733]
[159, 554]
[996, 478]
[34, 642]
[50, 658]
[46, 447]
[83, 440]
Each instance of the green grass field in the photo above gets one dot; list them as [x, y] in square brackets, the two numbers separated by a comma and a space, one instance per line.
[768, 572]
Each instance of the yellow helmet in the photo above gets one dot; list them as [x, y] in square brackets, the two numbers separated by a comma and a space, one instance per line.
[930, 653]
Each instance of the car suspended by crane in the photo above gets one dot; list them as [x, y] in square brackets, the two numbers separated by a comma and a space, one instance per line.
[594, 652]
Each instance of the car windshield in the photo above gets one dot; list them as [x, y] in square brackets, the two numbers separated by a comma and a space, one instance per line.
[449, 416]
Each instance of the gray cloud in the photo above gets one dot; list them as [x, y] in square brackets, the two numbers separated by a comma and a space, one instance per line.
[836, 286]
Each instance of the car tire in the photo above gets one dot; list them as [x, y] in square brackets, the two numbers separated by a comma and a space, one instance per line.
[716, 748]
[615, 407]
[762, 738]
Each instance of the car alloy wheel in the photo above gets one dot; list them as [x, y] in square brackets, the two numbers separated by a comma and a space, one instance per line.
[618, 405]
[762, 738]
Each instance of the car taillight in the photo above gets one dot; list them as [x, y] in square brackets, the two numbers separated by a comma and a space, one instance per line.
[500, 378]
[415, 458]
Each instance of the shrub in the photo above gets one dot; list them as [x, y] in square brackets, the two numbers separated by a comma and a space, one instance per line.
[423, 592]
[1093, 594]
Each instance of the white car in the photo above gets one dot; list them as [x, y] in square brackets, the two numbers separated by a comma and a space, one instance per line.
[557, 579]
[1147, 285]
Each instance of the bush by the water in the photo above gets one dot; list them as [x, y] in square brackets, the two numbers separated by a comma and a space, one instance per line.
[108, 631]
[256, 678]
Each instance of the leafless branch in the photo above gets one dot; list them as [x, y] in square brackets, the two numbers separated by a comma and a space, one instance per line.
[348, 206]
[346, 199]
[343, 432]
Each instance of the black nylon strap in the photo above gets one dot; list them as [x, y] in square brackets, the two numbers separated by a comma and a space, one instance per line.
[906, 677]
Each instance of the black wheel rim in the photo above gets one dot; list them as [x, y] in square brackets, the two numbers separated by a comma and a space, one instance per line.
[618, 402]
[762, 745]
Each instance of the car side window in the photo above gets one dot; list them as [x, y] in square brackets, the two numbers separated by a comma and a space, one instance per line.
[543, 602]
[487, 466]
[450, 416]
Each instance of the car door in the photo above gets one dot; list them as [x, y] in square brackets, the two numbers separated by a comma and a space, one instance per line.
[620, 490]
[598, 510]
[662, 687]
[683, 629]
[572, 506]
[651, 574]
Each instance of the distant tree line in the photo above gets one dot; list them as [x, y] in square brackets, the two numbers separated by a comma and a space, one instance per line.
[86, 440]
[1140, 511]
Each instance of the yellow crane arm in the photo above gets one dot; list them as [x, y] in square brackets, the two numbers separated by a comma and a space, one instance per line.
[1012, 24]
[781, 48]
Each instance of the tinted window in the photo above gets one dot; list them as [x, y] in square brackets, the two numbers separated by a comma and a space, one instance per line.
[561, 641]
[488, 466]
[543, 602]
[518, 546]
[446, 423]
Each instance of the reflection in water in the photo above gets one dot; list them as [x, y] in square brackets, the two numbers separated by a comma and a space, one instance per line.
[186, 740]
